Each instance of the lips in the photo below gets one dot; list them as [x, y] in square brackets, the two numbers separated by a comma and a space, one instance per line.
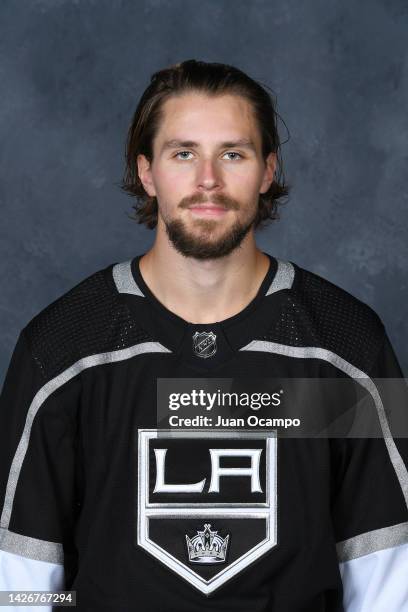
[208, 210]
[207, 206]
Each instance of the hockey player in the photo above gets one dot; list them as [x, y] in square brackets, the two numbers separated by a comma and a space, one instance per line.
[98, 498]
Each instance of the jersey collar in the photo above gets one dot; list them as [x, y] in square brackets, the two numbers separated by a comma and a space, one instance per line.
[208, 345]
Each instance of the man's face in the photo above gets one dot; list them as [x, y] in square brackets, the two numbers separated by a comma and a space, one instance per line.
[207, 173]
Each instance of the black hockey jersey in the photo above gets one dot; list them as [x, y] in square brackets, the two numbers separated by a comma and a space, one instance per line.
[101, 497]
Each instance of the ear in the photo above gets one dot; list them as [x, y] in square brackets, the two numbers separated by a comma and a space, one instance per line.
[269, 172]
[145, 174]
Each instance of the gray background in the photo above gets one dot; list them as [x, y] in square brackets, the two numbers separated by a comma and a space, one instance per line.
[71, 74]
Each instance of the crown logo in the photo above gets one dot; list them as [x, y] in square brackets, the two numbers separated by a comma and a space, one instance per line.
[207, 546]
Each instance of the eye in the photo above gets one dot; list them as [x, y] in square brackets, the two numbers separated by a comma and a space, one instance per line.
[234, 153]
[180, 153]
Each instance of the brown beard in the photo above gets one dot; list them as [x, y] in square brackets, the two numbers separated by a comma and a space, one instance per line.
[200, 248]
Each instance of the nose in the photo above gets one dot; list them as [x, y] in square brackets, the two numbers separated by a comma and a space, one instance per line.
[208, 175]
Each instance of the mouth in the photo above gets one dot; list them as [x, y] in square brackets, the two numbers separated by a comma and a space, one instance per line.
[208, 209]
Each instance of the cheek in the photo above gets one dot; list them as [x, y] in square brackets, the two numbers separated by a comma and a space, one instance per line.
[245, 174]
[176, 179]
[242, 182]
[171, 187]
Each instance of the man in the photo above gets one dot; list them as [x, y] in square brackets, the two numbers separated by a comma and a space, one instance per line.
[99, 498]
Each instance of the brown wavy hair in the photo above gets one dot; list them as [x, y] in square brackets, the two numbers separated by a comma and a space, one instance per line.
[211, 79]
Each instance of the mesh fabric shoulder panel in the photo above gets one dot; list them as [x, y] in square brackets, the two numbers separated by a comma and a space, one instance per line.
[89, 319]
[315, 312]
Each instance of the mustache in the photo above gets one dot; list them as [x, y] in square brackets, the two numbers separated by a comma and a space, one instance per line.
[218, 198]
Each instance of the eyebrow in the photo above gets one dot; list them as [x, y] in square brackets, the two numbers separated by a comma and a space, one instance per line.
[230, 144]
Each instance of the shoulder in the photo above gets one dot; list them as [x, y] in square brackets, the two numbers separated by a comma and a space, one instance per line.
[318, 313]
[81, 322]
[323, 297]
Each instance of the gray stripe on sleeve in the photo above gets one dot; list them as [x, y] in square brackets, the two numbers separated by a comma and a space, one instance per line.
[312, 352]
[45, 392]
[24, 546]
[372, 541]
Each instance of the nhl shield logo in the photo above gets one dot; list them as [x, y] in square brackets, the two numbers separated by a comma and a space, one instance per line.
[210, 518]
[204, 344]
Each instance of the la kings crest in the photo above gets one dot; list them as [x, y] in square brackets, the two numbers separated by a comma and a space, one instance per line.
[207, 501]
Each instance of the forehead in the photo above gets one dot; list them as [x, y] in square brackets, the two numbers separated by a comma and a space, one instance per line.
[204, 118]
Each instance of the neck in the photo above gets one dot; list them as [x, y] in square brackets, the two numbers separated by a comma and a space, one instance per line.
[204, 291]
